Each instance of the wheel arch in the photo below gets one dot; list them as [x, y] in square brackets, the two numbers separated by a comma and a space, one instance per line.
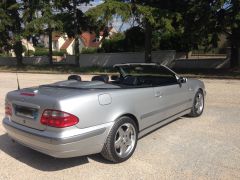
[200, 89]
[133, 117]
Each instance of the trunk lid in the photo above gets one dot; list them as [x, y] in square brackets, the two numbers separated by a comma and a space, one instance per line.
[28, 106]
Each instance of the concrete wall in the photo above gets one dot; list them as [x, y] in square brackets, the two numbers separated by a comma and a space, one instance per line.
[39, 60]
[109, 59]
[201, 63]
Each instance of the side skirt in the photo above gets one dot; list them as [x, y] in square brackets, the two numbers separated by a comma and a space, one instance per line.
[161, 123]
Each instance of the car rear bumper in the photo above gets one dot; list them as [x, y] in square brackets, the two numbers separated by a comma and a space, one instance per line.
[87, 141]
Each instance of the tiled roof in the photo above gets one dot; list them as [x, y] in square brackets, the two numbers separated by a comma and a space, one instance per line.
[67, 43]
[89, 39]
[56, 36]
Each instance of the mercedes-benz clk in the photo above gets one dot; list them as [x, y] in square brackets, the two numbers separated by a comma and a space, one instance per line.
[76, 118]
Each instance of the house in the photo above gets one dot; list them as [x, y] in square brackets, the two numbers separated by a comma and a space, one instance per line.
[61, 42]
[110, 30]
[89, 40]
[58, 40]
[68, 46]
[27, 45]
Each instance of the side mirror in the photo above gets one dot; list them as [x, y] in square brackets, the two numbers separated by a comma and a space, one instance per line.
[114, 77]
[182, 80]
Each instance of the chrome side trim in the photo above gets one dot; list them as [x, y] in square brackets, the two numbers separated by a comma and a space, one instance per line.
[161, 123]
[163, 109]
[165, 119]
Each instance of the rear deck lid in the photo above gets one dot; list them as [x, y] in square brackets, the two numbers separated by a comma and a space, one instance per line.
[27, 107]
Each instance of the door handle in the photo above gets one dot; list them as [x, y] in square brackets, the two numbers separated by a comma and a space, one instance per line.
[158, 94]
[190, 89]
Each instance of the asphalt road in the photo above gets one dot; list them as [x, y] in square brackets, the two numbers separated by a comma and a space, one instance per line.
[207, 147]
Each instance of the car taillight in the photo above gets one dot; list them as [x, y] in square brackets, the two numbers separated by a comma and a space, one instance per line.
[8, 109]
[27, 94]
[58, 119]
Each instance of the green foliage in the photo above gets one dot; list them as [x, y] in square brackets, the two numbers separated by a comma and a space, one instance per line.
[11, 22]
[58, 53]
[115, 44]
[29, 53]
[64, 51]
[41, 52]
[44, 52]
[89, 50]
[107, 11]
[135, 39]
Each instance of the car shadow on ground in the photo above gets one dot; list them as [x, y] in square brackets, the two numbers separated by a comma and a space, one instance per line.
[41, 161]
[44, 162]
[36, 159]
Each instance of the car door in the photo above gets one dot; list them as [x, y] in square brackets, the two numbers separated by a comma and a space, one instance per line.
[172, 95]
[172, 99]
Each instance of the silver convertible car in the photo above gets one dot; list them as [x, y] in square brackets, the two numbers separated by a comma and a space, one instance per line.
[75, 118]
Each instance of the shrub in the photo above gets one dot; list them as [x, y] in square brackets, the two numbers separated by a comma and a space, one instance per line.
[58, 53]
[89, 50]
[115, 44]
[29, 53]
[40, 52]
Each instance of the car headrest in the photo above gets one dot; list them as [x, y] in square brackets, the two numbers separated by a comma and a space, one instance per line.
[74, 77]
[103, 78]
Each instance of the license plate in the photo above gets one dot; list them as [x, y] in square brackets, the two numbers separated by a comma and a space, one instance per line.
[28, 112]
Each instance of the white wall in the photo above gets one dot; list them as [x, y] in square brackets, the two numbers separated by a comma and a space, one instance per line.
[109, 59]
[70, 49]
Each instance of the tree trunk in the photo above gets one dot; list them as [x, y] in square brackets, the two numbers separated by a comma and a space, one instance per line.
[77, 52]
[76, 48]
[50, 47]
[18, 49]
[235, 38]
[148, 42]
[234, 60]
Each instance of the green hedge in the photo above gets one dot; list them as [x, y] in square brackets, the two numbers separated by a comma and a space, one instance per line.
[40, 53]
[44, 52]
[89, 50]
[58, 53]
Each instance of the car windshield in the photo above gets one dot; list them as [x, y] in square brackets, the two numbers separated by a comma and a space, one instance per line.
[144, 70]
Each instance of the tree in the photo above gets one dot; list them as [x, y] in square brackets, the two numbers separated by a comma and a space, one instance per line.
[10, 28]
[144, 13]
[74, 21]
[103, 14]
[203, 21]
[229, 20]
[41, 16]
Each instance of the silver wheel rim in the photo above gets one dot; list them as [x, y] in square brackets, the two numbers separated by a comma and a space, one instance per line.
[199, 103]
[125, 140]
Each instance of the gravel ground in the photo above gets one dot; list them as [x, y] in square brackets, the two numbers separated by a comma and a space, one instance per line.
[207, 147]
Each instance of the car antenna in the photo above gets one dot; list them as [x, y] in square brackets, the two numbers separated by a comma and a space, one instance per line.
[18, 81]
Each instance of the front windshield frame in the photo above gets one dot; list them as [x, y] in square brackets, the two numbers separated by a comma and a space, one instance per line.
[124, 70]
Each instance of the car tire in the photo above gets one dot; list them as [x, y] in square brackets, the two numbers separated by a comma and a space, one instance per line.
[121, 141]
[198, 104]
